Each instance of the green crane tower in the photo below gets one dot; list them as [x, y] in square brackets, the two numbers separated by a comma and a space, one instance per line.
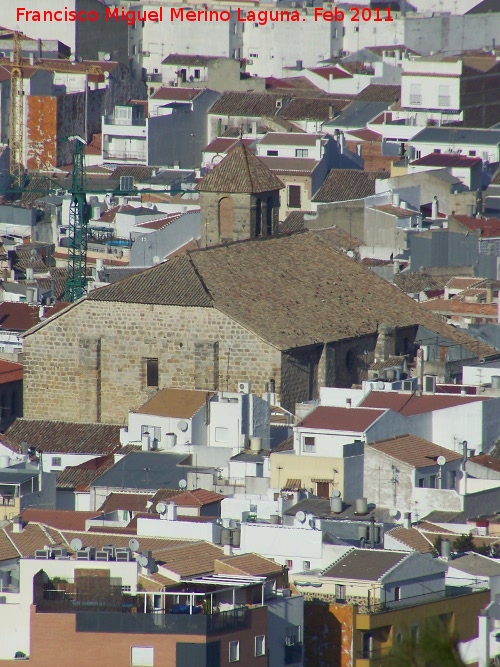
[79, 216]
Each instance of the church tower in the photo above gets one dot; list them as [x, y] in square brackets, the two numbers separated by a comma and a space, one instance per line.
[239, 199]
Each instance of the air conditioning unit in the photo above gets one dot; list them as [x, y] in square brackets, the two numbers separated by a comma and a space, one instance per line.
[42, 554]
[146, 54]
[430, 384]
[59, 552]
[244, 387]
[407, 385]
[102, 555]
[123, 556]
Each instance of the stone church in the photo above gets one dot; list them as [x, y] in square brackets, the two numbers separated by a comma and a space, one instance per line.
[292, 309]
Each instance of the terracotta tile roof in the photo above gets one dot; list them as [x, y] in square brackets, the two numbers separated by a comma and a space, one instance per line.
[94, 147]
[240, 171]
[414, 451]
[155, 582]
[338, 238]
[366, 135]
[54, 436]
[412, 283]
[347, 184]
[354, 420]
[197, 498]
[331, 72]
[34, 536]
[16, 316]
[159, 223]
[412, 538]
[158, 545]
[110, 214]
[411, 404]
[59, 519]
[220, 145]
[365, 564]
[7, 549]
[454, 307]
[181, 403]
[163, 494]
[134, 502]
[289, 139]
[249, 564]
[294, 222]
[242, 280]
[391, 362]
[137, 171]
[446, 160]
[248, 105]
[295, 82]
[484, 227]
[312, 108]
[179, 94]
[487, 461]
[80, 477]
[10, 372]
[299, 166]
[379, 92]
[462, 282]
[188, 561]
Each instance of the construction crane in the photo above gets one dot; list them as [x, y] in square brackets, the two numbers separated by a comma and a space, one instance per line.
[79, 216]
[16, 114]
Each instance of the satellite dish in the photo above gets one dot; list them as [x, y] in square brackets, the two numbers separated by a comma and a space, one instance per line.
[441, 460]
[182, 484]
[144, 561]
[182, 425]
[300, 516]
[335, 493]
[161, 508]
[394, 512]
[133, 544]
[107, 56]
[380, 385]
[156, 259]
[312, 523]
[76, 544]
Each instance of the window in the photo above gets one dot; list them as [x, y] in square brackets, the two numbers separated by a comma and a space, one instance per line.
[142, 656]
[415, 93]
[437, 150]
[433, 482]
[301, 152]
[289, 564]
[56, 462]
[196, 73]
[397, 594]
[472, 153]
[272, 153]
[260, 645]
[307, 565]
[444, 96]
[452, 479]
[152, 372]
[294, 196]
[234, 651]
[309, 444]
[339, 593]
[421, 482]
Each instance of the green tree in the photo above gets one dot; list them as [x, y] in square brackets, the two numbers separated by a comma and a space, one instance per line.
[435, 646]
[463, 543]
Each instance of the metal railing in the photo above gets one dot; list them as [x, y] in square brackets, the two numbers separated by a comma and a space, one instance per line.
[111, 120]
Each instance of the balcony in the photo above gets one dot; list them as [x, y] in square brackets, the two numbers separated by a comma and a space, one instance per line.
[111, 120]
[293, 654]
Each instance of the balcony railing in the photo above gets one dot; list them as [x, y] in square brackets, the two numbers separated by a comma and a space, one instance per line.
[293, 654]
[111, 120]
[124, 155]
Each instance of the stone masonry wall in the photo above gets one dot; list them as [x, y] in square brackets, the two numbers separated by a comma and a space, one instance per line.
[89, 364]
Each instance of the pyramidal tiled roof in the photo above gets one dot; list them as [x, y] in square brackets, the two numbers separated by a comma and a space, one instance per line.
[240, 172]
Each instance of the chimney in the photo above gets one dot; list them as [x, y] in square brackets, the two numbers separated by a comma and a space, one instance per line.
[228, 550]
[146, 442]
[348, 403]
[172, 511]
[396, 199]
[407, 518]
[489, 292]
[435, 208]
[17, 525]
